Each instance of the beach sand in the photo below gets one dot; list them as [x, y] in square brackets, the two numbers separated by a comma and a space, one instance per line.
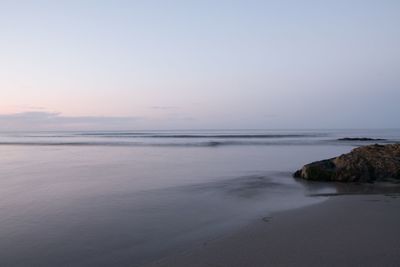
[346, 230]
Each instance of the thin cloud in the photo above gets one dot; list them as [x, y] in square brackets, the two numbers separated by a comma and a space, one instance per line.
[36, 108]
[40, 120]
[164, 107]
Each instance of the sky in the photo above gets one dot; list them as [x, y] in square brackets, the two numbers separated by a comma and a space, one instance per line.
[93, 64]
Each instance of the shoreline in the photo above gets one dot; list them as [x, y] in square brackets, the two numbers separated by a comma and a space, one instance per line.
[345, 230]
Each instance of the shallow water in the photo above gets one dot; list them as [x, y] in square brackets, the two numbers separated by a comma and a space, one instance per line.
[128, 198]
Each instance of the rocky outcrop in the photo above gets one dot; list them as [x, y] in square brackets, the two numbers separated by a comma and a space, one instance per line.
[360, 139]
[363, 164]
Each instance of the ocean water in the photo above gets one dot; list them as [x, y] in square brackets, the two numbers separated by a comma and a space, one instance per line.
[127, 198]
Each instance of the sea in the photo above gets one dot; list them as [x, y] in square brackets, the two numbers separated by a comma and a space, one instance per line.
[129, 198]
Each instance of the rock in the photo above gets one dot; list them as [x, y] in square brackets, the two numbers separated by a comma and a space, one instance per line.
[363, 164]
[360, 139]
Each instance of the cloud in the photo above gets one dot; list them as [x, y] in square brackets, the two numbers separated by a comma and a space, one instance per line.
[35, 108]
[40, 120]
[164, 107]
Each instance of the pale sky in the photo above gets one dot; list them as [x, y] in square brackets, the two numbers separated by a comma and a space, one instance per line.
[199, 64]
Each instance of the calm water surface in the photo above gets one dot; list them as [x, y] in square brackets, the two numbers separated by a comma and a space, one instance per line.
[129, 198]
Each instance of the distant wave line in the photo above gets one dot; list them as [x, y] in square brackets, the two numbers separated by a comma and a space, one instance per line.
[148, 144]
[182, 136]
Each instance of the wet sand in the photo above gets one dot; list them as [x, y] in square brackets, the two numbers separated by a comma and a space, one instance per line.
[345, 230]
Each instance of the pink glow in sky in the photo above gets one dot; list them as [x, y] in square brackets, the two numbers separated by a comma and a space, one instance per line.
[200, 64]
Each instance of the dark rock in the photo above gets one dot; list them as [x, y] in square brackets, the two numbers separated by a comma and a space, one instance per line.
[363, 164]
[360, 139]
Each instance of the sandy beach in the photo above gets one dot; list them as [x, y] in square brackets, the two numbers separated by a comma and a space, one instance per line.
[199, 133]
[345, 230]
